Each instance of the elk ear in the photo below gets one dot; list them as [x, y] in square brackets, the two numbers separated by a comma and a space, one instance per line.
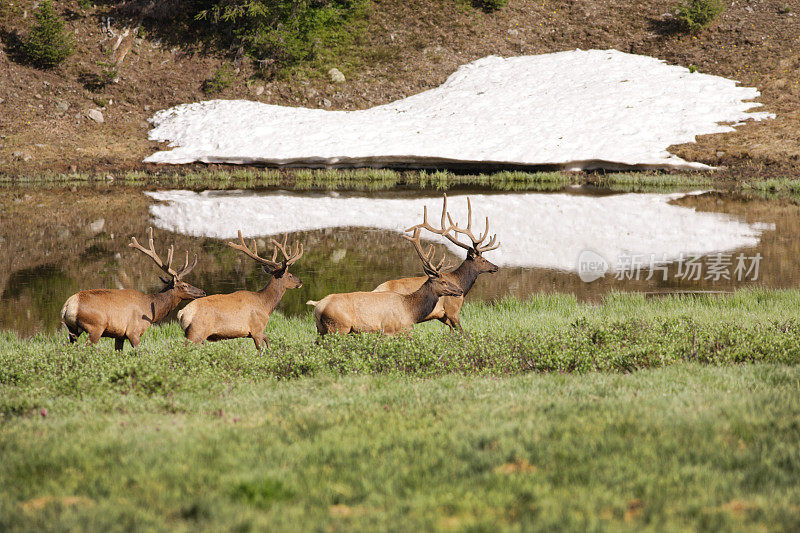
[274, 272]
[432, 274]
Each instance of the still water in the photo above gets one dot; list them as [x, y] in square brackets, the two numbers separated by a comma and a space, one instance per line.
[56, 242]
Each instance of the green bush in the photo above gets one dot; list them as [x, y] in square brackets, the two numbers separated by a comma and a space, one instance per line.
[221, 80]
[48, 43]
[490, 6]
[286, 31]
[695, 15]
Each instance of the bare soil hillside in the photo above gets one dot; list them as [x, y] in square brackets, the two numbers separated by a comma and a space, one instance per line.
[403, 48]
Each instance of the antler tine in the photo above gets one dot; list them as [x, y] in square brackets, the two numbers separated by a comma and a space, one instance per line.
[427, 259]
[242, 247]
[476, 241]
[184, 271]
[290, 256]
[443, 231]
[170, 253]
[151, 253]
[489, 246]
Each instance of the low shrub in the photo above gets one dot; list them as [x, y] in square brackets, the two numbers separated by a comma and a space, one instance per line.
[221, 80]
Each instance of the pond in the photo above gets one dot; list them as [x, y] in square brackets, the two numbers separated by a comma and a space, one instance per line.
[581, 240]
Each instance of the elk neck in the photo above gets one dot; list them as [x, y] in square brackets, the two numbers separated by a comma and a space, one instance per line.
[162, 303]
[272, 292]
[466, 274]
[422, 301]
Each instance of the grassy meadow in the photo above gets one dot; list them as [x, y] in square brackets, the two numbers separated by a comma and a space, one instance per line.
[670, 413]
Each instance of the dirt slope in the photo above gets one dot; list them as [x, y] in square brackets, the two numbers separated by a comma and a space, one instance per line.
[407, 47]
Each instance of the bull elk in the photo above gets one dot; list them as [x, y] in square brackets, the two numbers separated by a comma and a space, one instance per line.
[448, 307]
[243, 313]
[386, 312]
[126, 313]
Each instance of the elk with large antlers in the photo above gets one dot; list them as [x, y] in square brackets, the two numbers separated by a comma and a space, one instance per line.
[448, 307]
[386, 312]
[126, 313]
[243, 313]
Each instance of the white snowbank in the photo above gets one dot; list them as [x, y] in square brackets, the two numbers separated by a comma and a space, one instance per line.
[576, 109]
[535, 229]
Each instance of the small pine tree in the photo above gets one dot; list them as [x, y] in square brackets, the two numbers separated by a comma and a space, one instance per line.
[490, 6]
[48, 43]
[697, 15]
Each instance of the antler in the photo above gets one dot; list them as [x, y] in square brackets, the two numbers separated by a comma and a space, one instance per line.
[427, 258]
[253, 254]
[445, 231]
[151, 253]
[289, 257]
[476, 241]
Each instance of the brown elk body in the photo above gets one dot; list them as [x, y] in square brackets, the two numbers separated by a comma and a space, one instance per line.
[385, 312]
[126, 313]
[447, 309]
[242, 313]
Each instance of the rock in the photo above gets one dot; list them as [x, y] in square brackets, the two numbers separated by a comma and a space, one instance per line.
[336, 75]
[144, 125]
[22, 155]
[96, 115]
[512, 31]
[63, 234]
[326, 102]
[62, 105]
[259, 90]
[97, 226]
[720, 153]
[2, 100]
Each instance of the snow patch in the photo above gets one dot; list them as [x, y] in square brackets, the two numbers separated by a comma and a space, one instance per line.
[573, 110]
[548, 230]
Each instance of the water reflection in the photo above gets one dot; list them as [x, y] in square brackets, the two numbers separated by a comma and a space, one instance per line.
[40, 267]
[545, 230]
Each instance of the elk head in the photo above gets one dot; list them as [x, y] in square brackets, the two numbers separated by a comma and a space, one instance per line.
[476, 249]
[174, 280]
[441, 286]
[277, 269]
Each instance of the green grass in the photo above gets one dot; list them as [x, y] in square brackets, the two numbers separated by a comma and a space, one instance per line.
[661, 414]
[368, 179]
[785, 188]
[688, 447]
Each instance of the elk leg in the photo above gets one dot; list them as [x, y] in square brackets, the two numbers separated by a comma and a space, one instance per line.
[94, 336]
[257, 339]
[193, 337]
[119, 343]
[73, 335]
[455, 323]
[134, 340]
